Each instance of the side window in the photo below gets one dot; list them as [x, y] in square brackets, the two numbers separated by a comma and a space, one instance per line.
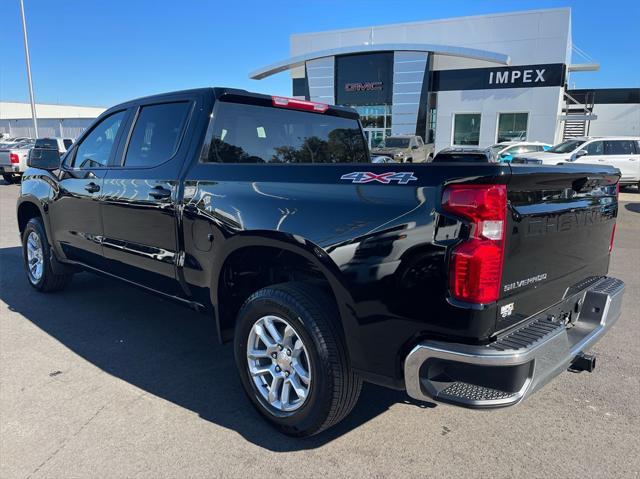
[95, 149]
[594, 148]
[419, 141]
[157, 134]
[67, 143]
[466, 129]
[619, 147]
[528, 148]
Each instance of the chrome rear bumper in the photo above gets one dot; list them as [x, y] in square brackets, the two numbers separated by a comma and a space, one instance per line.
[519, 362]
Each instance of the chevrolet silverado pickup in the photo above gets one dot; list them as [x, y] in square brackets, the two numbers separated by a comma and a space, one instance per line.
[472, 284]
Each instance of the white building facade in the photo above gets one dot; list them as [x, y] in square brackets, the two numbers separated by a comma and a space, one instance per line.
[470, 81]
[64, 121]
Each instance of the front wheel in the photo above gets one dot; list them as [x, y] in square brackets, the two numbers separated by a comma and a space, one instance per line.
[292, 360]
[36, 252]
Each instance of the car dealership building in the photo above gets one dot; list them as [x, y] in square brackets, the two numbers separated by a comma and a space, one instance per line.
[470, 81]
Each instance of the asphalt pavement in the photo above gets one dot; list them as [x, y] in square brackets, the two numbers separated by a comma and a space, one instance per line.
[106, 381]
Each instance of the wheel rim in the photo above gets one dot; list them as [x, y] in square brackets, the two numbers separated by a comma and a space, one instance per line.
[35, 257]
[278, 363]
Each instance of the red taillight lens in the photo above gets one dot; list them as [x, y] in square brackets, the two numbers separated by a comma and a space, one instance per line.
[14, 158]
[475, 272]
[296, 104]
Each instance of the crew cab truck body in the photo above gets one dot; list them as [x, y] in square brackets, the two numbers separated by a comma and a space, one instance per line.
[472, 284]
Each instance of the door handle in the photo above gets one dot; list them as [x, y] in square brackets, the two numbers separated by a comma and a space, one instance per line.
[92, 187]
[158, 192]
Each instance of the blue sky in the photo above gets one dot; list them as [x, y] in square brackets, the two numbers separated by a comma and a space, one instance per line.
[93, 52]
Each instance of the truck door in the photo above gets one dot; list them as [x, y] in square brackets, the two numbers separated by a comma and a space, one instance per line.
[75, 209]
[622, 154]
[140, 190]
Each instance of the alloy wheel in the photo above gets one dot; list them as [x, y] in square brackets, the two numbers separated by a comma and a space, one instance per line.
[35, 257]
[278, 363]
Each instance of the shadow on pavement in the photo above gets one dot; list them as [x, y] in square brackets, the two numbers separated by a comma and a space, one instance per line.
[163, 348]
[634, 207]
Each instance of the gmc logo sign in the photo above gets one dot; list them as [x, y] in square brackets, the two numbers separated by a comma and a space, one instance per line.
[363, 86]
[517, 76]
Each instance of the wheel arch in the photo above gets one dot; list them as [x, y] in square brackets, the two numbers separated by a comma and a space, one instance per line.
[28, 208]
[265, 259]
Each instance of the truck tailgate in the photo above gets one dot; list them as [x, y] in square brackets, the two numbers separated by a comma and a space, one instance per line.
[4, 158]
[558, 236]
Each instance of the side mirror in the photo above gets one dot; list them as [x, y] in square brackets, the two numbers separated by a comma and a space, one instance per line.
[580, 153]
[414, 147]
[45, 159]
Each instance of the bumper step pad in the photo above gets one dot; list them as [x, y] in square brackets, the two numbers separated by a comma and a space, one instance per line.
[462, 392]
[527, 335]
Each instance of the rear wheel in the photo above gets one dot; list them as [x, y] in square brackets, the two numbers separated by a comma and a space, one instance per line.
[36, 253]
[292, 359]
[11, 177]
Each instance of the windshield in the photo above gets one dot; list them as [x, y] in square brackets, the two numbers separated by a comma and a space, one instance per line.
[566, 146]
[495, 149]
[243, 133]
[395, 143]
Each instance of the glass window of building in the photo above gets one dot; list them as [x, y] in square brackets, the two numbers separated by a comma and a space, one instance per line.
[430, 136]
[376, 122]
[466, 129]
[512, 126]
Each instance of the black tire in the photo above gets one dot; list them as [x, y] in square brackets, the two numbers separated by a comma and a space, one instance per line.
[334, 387]
[11, 178]
[409, 160]
[48, 281]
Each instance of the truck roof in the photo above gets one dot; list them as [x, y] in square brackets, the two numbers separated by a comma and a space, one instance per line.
[240, 95]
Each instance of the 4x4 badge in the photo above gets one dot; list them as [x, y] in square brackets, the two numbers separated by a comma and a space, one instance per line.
[360, 177]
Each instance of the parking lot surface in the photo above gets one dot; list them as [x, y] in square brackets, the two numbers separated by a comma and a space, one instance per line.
[107, 381]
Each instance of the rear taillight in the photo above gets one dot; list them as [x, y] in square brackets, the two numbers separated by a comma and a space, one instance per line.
[475, 271]
[296, 104]
[14, 158]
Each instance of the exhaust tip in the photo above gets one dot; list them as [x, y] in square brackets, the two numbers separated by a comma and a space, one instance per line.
[583, 362]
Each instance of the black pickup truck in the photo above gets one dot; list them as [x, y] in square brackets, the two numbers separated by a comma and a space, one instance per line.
[467, 283]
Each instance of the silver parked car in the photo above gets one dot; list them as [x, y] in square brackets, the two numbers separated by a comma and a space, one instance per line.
[13, 159]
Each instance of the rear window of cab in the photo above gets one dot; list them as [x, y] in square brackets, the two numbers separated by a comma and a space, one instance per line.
[242, 133]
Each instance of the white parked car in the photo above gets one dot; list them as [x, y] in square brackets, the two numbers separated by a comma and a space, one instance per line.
[622, 152]
[505, 151]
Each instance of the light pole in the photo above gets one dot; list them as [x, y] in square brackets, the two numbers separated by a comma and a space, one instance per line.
[26, 52]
